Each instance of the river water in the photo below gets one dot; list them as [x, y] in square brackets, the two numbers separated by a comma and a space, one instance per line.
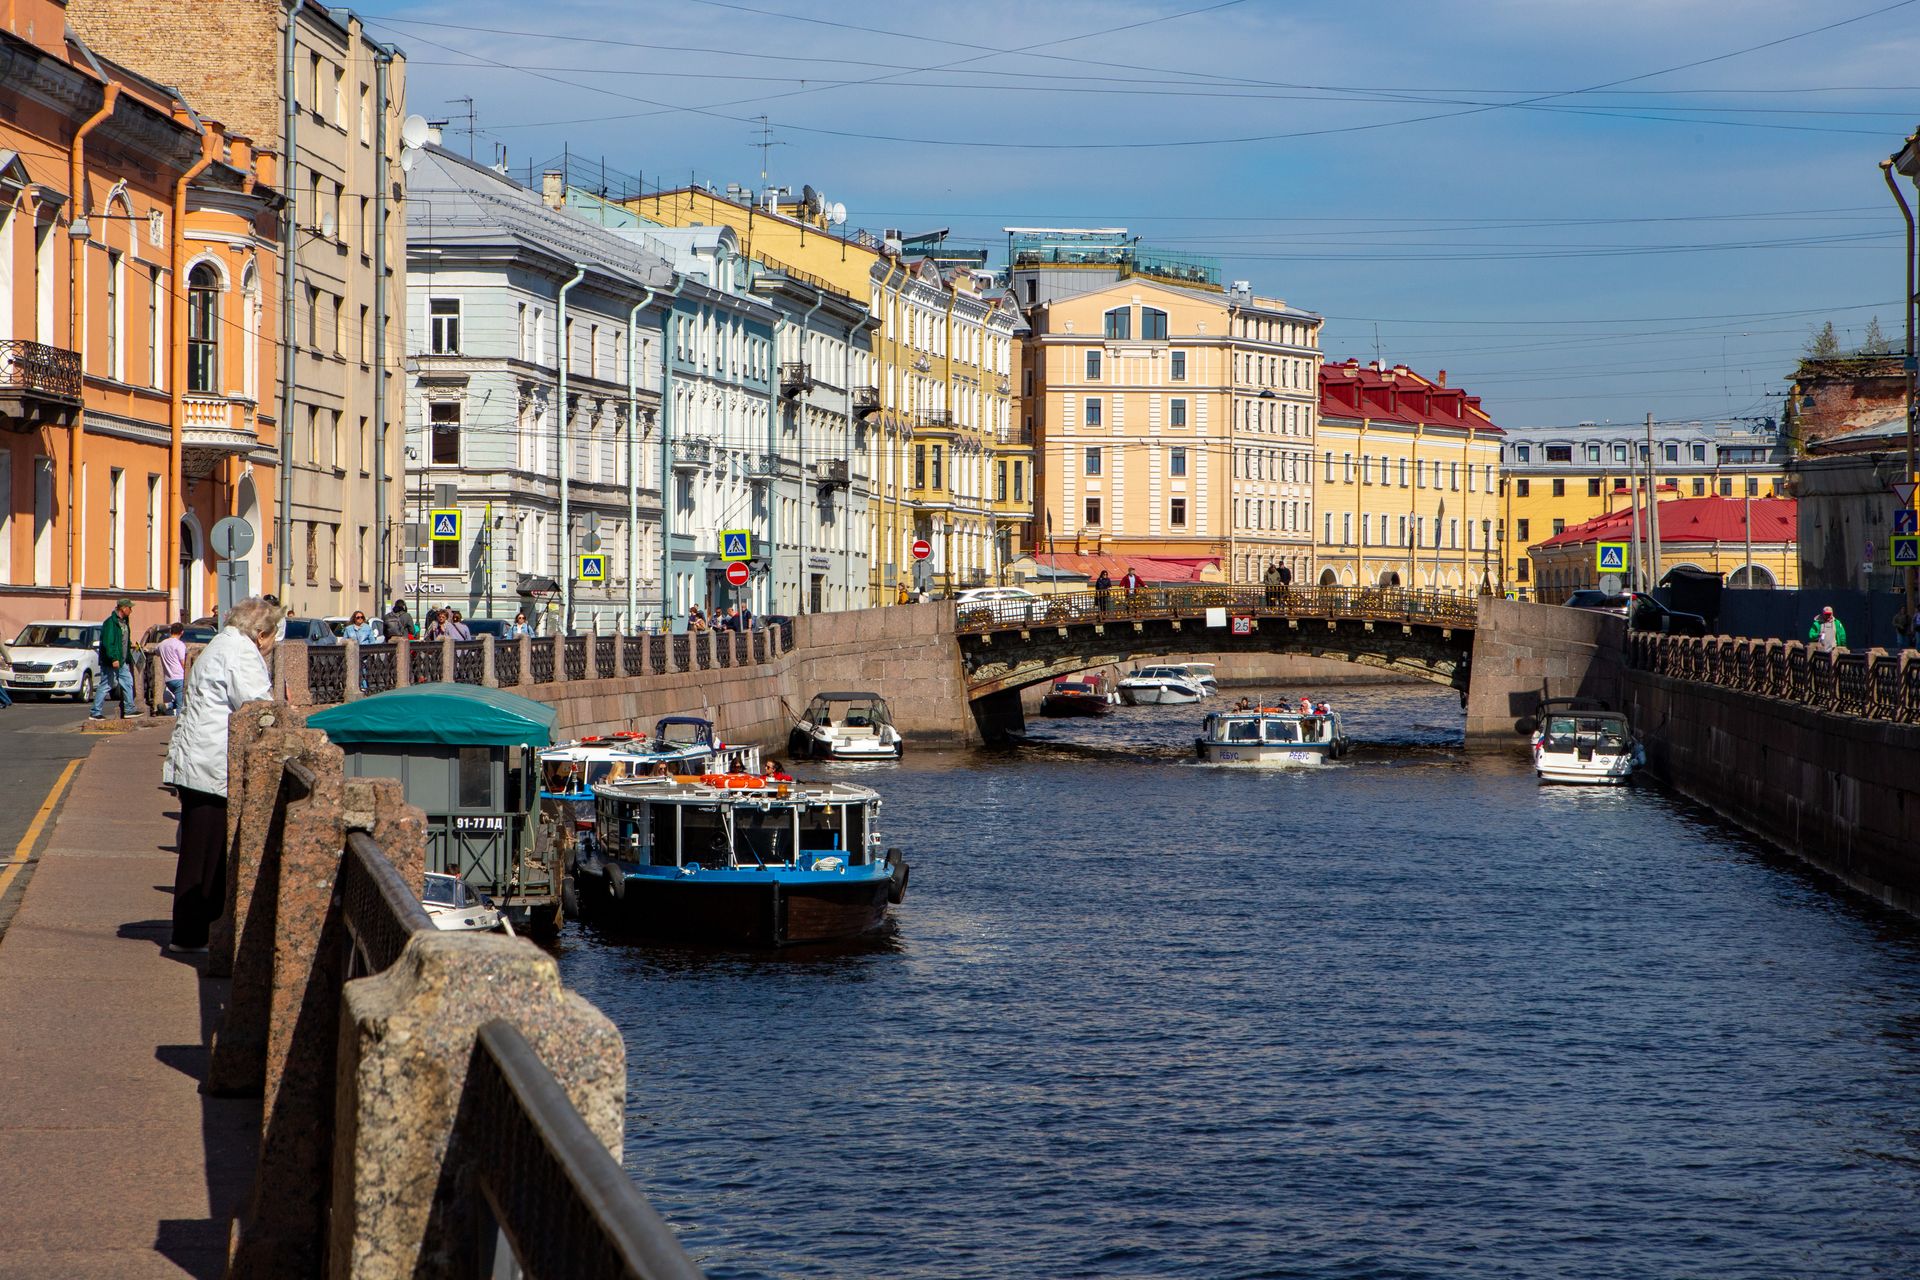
[1409, 1016]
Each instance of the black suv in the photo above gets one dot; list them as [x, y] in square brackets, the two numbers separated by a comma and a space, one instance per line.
[1648, 614]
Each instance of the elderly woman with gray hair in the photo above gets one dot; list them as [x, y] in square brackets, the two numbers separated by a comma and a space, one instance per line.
[231, 672]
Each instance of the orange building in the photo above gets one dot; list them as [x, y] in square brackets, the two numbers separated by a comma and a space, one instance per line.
[136, 343]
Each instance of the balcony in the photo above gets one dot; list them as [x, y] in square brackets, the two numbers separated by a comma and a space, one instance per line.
[763, 468]
[866, 401]
[214, 429]
[940, 420]
[691, 455]
[796, 376]
[39, 385]
[835, 474]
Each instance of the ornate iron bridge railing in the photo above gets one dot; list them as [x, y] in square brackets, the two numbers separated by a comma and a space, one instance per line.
[1387, 604]
[1871, 684]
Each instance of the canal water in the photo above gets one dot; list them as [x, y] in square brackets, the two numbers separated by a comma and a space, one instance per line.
[1409, 1016]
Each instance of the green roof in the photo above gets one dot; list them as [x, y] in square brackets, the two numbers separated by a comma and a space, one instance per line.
[456, 715]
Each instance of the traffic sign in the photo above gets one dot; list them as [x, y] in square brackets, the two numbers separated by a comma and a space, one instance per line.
[738, 573]
[921, 548]
[1611, 557]
[736, 544]
[593, 568]
[231, 538]
[1906, 520]
[1906, 550]
[445, 525]
[1904, 492]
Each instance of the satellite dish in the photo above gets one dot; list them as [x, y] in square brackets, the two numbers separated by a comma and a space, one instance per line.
[414, 131]
[327, 225]
[810, 198]
[838, 214]
[406, 160]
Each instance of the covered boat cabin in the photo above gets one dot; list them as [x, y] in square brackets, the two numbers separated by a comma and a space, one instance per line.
[716, 826]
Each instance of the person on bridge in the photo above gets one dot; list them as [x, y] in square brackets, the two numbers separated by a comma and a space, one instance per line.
[457, 628]
[1102, 590]
[902, 596]
[1276, 585]
[519, 627]
[1131, 582]
[360, 631]
[1827, 632]
[398, 624]
[116, 661]
[173, 668]
[231, 672]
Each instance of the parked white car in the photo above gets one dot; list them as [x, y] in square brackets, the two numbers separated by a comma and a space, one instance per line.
[54, 657]
[1010, 604]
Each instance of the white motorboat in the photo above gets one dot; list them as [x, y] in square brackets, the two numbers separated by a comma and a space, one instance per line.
[1578, 741]
[1161, 686]
[846, 726]
[1203, 673]
[1271, 737]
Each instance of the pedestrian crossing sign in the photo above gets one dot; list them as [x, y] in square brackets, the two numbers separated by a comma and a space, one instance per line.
[445, 525]
[593, 568]
[1612, 557]
[736, 544]
[1906, 550]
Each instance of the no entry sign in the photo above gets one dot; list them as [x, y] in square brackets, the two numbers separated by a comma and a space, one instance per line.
[737, 573]
[921, 548]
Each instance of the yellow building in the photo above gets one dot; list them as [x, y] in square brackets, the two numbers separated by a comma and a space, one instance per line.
[1709, 533]
[946, 458]
[1554, 478]
[1170, 420]
[1407, 482]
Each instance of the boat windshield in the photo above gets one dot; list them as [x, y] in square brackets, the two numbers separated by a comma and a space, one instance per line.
[736, 835]
[1282, 731]
[683, 733]
[1573, 732]
[856, 713]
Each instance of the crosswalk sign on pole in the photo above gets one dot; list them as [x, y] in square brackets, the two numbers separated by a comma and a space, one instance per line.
[445, 525]
[1611, 557]
[1906, 550]
[593, 568]
[736, 544]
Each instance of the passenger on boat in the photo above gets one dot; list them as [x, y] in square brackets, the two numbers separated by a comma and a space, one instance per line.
[1245, 704]
[1321, 708]
[1306, 706]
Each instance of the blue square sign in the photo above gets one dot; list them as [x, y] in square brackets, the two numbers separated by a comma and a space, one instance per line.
[1906, 522]
[1611, 557]
[736, 544]
[593, 568]
[446, 524]
[1905, 550]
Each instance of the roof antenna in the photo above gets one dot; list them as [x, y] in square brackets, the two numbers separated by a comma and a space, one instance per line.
[1376, 344]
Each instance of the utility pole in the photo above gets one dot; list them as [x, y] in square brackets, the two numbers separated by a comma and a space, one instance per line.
[1653, 514]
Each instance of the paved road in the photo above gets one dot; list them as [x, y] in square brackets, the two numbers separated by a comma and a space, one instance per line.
[38, 740]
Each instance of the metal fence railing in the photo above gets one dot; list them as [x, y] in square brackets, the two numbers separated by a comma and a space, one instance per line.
[1392, 604]
[576, 656]
[1871, 684]
[327, 673]
[470, 661]
[423, 663]
[378, 663]
[540, 659]
[506, 663]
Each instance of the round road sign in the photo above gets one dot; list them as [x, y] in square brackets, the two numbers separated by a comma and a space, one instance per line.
[231, 538]
[738, 573]
[922, 548]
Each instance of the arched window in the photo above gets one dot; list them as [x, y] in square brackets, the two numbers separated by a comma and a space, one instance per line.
[203, 329]
[1120, 323]
[1153, 324]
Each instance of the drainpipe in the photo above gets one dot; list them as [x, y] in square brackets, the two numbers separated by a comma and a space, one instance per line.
[846, 523]
[289, 342]
[800, 415]
[633, 462]
[667, 482]
[76, 341]
[383, 62]
[887, 530]
[565, 357]
[177, 390]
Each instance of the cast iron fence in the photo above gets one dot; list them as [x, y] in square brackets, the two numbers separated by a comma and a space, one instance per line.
[1390, 604]
[1872, 684]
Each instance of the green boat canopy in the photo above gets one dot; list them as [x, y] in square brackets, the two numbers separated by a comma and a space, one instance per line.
[455, 715]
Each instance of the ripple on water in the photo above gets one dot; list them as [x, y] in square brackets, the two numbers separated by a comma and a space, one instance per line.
[1415, 1016]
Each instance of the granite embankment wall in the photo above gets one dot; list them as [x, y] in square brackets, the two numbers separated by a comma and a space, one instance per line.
[1840, 791]
[1524, 652]
[904, 652]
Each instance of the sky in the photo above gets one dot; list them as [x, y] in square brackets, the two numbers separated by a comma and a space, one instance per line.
[1581, 211]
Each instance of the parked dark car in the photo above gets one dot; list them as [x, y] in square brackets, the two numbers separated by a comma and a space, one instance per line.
[1650, 615]
[495, 627]
[1604, 601]
[312, 630]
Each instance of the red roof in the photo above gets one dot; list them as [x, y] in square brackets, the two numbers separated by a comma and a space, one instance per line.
[1712, 519]
[1155, 569]
[1354, 390]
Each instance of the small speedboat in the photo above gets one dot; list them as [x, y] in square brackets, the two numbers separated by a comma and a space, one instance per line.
[1581, 741]
[1156, 686]
[457, 907]
[846, 726]
[1202, 673]
[1082, 695]
[739, 860]
[1273, 737]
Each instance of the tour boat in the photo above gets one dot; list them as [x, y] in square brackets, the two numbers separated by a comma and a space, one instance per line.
[846, 726]
[739, 860]
[1151, 686]
[1580, 741]
[1202, 673]
[1082, 695]
[1272, 737]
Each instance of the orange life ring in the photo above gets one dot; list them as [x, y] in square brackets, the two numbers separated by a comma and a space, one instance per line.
[733, 781]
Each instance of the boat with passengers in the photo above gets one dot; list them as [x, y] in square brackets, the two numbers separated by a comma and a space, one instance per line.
[1083, 695]
[1579, 740]
[747, 860]
[1272, 737]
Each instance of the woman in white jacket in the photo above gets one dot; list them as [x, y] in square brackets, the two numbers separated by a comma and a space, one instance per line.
[230, 672]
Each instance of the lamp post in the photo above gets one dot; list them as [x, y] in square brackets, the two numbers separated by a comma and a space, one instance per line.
[1908, 164]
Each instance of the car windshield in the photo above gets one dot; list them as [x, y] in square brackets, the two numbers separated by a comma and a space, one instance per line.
[53, 635]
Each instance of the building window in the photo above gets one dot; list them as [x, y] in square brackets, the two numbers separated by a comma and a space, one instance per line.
[1120, 323]
[1093, 412]
[1177, 366]
[1559, 488]
[1699, 487]
[1593, 453]
[1559, 453]
[115, 274]
[446, 555]
[1593, 488]
[443, 326]
[203, 329]
[1699, 453]
[1153, 324]
[1520, 568]
[1093, 367]
[1000, 483]
[1520, 488]
[1093, 511]
[936, 467]
[1726, 486]
[919, 466]
[1177, 461]
[1619, 453]
[1670, 452]
[1523, 452]
[1019, 481]
[1403, 473]
[1753, 486]
[1093, 462]
[1177, 512]
[1520, 529]
[444, 422]
[1177, 411]
[313, 555]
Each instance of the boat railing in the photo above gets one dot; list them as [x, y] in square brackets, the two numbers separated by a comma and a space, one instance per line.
[429, 1095]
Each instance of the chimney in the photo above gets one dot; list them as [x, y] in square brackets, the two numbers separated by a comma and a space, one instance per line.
[1442, 379]
[553, 189]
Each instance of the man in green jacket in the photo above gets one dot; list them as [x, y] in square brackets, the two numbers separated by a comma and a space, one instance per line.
[1827, 631]
[116, 660]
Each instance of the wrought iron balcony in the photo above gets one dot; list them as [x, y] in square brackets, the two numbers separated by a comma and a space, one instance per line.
[763, 468]
[866, 401]
[936, 420]
[213, 429]
[39, 385]
[795, 376]
[691, 455]
[834, 474]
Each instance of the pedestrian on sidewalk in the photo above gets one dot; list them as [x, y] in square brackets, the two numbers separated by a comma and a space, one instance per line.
[6, 660]
[116, 661]
[231, 672]
[173, 668]
[456, 627]
[1827, 632]
[398, 624]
